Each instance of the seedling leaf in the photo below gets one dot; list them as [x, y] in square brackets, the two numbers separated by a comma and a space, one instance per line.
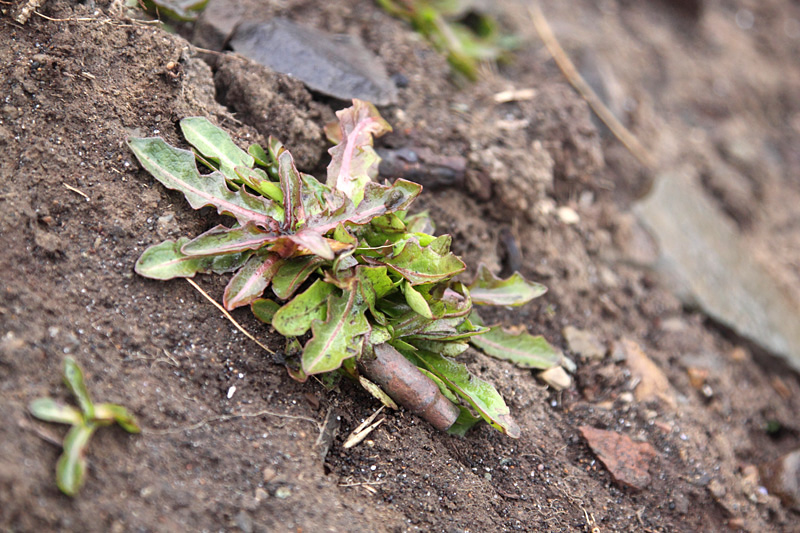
[71, 466]
[487, 289]
[73, 377]
[109, 412]
[52, 411]
[248, 284]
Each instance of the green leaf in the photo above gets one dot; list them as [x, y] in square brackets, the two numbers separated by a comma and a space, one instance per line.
[417, 302]
[257, 179]
[110, 412]
[479, 393]
[340, 337]
[71, 466]
[73, 377]
[51, 411]
[354, 162]
[248, 284]
[466, 420]
[176, 169]
[166, 261]
[292, 273]
[223, 240]
[215, 144]
[446, 348]
[423, 265]
[294, 318]
[514, 291]
[264, 309]
[522, 349]
[259, 154]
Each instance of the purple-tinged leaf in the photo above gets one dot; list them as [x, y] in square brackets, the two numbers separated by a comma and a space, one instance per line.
[487, 289]
[249, 283]
[354, 162]
[479, 393]
[291, 190]
[422, 265]
[339, 337]
[223, 240]
[176, 169]
[293, 273]
[378, 200]
[522, 349]
[315, 243]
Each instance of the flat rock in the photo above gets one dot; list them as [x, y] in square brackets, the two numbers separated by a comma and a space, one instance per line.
[584, 343]
[626, 460]
[782, 478]
[705, 260]
[652, 382]
[335, 65]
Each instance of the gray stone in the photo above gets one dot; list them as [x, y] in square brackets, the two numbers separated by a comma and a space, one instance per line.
[336, 65]
[709, 266]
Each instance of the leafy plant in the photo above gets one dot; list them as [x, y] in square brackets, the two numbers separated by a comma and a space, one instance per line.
[350, 268]
[466, 36]
[71, 466]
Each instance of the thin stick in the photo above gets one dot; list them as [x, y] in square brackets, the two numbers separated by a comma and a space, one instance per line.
[574, 78]
[228, 316]
[73, 189]
[225, 418]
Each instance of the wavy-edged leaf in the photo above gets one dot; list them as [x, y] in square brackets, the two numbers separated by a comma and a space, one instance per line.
[522, 349]
[481, 395]
[339, 337]
[73, 377]
[175, 169]
[52, 411]
[292, 274]
[215, 144]
[264, 309]
[378, 200]
[248, 284]
[110, 412]
[223, 240]
[466, 420]
[294, 318]
[487, 289]
[354, 162]
[420, 265]
[71, 466]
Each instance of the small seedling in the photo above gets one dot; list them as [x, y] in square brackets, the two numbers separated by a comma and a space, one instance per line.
[71, 467]
[360, 286]
[467, 37]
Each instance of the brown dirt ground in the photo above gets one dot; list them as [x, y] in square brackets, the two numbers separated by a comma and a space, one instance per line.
[72, 91]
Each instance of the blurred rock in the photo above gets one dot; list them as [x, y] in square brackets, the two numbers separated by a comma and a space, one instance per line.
[335, 65]
[708, 265]
[556, 377]
[652, 383]
[782, 478]
[584, 343]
